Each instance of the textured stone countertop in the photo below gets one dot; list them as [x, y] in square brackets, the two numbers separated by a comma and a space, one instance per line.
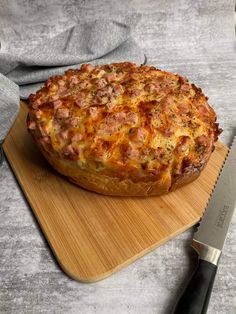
[193, 38]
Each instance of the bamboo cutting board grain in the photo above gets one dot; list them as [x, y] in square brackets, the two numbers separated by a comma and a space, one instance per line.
[91, 235]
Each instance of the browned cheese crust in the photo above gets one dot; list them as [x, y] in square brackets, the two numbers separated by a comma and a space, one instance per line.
[123, 129]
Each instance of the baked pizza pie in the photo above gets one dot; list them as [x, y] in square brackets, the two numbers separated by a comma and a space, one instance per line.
[123, 129]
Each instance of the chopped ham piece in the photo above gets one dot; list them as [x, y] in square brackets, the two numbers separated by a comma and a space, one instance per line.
[83, 84]
[78, 151]
[202, 110]
[110, 105]
[87, 67]
[106, 91]
[101, 82]
[109, 90]
[202, 140]
[68, 150]
[100, 93]
[131, 118]
[169, 100]
[127, 151]
[131, 153]
[113, 122]
[110, 77]
[183, 144]
[93, 111]
[63, 135]
[119, 117]
[151, 87]
[135, 93]
[51, 85]
[62, 113]
[37, 113]
[185, 87]
[97, 100]
[74, 80]
[77, 137]
[134, 76]
[184, 84]
[168, 131]
[44, 130]
[37, 103]
[44, 140]
[32, 125]
[138, 134]
[118, 89]
[61, 83]
[57, 104]
[48, 83]
[73, 122]
[80, 102]
[183, 108]
[53, 97]
[62, 91]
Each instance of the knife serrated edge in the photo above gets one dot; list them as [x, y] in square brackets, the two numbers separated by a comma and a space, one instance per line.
[213, 188]
[205, 251]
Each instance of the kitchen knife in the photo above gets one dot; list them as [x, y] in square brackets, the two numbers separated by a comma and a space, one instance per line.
[209, 239]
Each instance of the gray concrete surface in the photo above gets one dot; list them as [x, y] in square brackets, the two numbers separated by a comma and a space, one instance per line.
[193, 38]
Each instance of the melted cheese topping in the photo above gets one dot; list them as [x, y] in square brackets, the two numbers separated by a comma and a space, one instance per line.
[124, 120]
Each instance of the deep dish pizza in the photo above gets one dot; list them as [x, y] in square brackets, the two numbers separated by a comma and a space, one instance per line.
[123, 129]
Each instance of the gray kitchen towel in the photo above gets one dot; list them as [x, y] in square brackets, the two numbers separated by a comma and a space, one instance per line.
[97, 42]
[9, 104]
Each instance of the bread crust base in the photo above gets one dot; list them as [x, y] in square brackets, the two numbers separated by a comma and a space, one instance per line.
[114, 186]
[123, 129]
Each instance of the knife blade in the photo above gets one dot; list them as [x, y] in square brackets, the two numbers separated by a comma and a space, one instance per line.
[209, 238]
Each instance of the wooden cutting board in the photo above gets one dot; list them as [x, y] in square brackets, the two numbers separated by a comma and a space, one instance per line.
[93, 236]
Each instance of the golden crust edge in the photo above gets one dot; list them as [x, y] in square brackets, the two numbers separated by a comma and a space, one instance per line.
[113, 186]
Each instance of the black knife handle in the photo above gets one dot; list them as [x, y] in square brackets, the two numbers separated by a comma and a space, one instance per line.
[196, 295]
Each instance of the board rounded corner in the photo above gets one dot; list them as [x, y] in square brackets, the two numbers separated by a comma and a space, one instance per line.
[84, 278]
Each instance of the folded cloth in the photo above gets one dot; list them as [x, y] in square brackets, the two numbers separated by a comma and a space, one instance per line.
[9, 104]
[96, 42]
